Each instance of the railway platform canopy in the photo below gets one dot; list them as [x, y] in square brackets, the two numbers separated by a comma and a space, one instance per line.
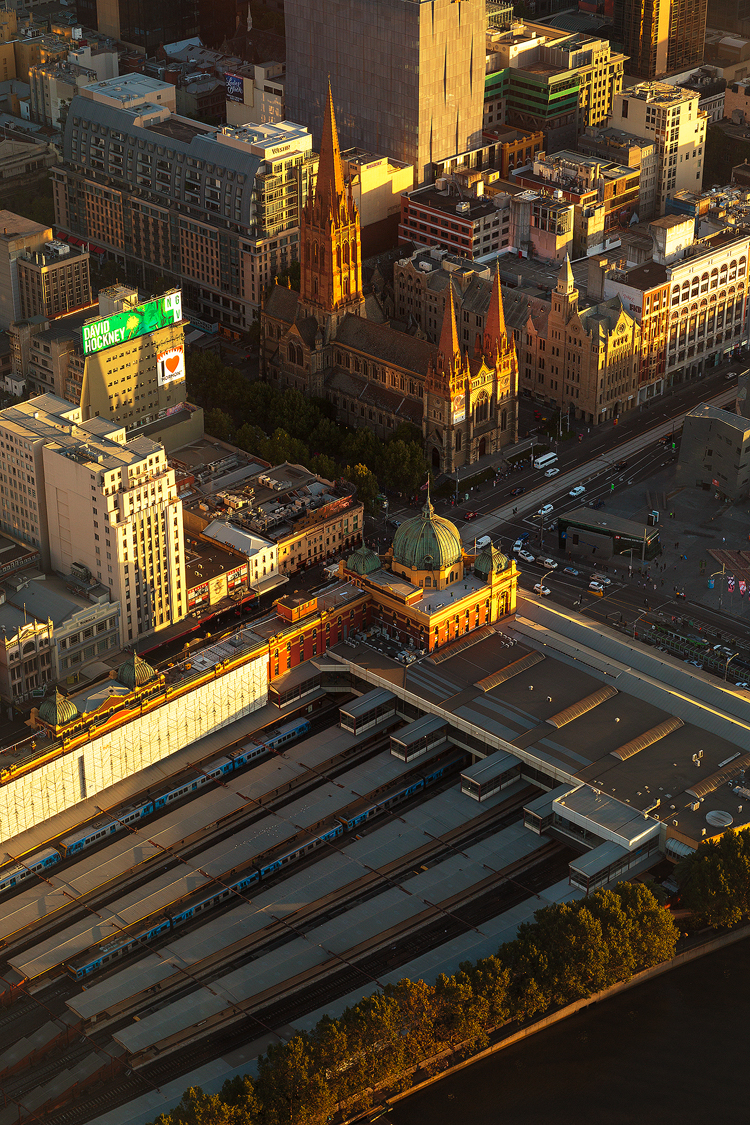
[418, 737]
[489, 775]
[368, 710]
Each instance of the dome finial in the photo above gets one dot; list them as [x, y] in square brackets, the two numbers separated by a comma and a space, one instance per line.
[428, 511]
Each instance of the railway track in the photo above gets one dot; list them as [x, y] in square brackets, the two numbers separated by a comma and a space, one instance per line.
[175, 855]
[509, 889]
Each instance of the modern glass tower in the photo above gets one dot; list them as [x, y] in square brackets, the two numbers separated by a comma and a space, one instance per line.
[408, 74]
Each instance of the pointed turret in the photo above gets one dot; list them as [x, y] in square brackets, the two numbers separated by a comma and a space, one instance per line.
[495, 331]
[330, 258]
[330, 184]
[565, 280]
[449, 352]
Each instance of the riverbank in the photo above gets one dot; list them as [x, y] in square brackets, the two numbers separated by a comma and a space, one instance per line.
[448, 1070]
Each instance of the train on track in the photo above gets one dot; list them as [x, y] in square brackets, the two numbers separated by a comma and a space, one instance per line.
[350, 819]
[116, 820]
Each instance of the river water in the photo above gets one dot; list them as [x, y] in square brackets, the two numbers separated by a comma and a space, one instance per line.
[672, 1050]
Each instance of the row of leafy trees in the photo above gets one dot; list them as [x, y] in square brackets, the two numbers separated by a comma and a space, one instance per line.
[568, 953]
[285, 426]
[715, 880]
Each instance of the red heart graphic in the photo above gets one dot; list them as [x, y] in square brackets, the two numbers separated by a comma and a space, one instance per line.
[173, 363]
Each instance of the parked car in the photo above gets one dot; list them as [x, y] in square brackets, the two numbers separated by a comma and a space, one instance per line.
[545, 511]
[517, 491]
[577, 491]
[571, 570]
[469, 516]
[526, 556]
[552, 472]
[543, 591]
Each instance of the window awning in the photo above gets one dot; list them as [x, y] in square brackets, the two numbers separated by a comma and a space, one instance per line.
[266, 584]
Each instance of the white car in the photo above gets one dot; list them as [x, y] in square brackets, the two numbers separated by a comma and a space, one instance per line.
[549, 564]
[594, 585]
[577, 491]
[545, 511]
[552, 472]
[542, 590]
[526, 556]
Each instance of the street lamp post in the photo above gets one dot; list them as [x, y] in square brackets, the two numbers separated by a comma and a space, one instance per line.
[721, 585]
[637, 620]
[726, 666]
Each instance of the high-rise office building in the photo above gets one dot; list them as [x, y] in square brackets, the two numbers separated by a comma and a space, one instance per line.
[140, 23]
[97, 506]
[408, 74]
[661, 36]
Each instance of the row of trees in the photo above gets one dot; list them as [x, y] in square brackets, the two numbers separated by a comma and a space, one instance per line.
[569, 952]
[715, 880]
[285, 426]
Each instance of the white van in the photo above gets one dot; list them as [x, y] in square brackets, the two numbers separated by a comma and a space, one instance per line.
[545, 461]
[485, 541]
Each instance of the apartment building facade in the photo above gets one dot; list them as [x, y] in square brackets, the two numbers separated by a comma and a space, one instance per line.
[216, 210]
[53, 280]
[437, 216]
[672, 117]
[99, 507]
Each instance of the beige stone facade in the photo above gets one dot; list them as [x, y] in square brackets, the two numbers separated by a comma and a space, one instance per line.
[585, 363]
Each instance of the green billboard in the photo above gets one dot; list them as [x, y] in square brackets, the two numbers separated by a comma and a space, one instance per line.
[109, 331]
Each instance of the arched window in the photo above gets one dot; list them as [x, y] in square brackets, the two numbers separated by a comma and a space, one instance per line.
[504, 420]
[29, 647]
[704, 283]
[459, 438]
[338, 256]
[714, 278]
[315, 253]
[482, 409]
[427, 581]
[346, 253]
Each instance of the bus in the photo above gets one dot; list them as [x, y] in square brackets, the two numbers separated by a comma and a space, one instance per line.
[545, 461]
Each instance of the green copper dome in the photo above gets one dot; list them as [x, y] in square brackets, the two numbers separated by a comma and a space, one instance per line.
[58, 710]
[135, 672]
[490, 561]
[363, 561]
[427, 542]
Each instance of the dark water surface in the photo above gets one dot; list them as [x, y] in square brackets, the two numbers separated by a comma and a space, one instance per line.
[676, 1049]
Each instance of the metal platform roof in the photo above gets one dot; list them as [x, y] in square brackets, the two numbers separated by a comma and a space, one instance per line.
[365, 703]
[420, 728]
[490, 767]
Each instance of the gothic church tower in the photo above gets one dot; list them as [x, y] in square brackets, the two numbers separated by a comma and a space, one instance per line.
[331, 263]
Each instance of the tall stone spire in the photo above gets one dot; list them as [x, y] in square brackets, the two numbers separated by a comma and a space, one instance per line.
[329, 188]
[565, 280]
[330, 258]
[494, 329]
[449, 352]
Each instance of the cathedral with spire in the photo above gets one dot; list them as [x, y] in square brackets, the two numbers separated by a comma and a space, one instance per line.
[322, 342]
